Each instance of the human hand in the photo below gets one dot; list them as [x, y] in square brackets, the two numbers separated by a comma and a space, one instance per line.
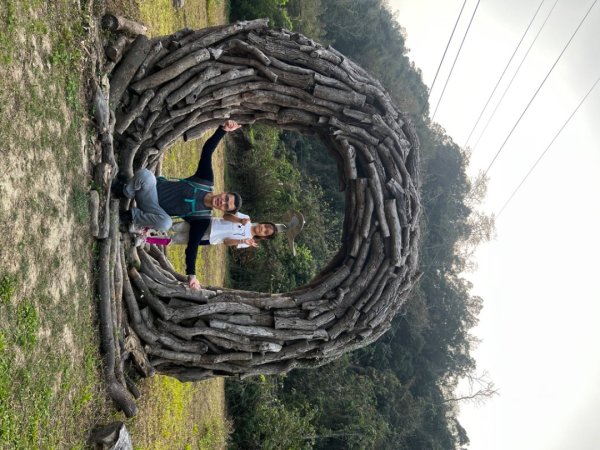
[193, 283]
[231, 125]
[244, 221]
[250, 241]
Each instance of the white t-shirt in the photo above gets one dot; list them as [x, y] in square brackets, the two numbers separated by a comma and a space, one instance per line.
[221, 229]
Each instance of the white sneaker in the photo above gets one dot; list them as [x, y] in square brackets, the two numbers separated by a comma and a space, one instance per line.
[135, 229]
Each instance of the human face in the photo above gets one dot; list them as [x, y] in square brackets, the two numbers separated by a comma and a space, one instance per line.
[263, 229]
[223, 202]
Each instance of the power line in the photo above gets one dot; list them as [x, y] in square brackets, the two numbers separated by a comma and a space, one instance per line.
[547, 148]
[514, 76]
[539, 88]
[455, 59]
[445, 51]
[504, 72]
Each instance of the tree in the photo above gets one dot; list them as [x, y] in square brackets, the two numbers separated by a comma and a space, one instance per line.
[481, 389]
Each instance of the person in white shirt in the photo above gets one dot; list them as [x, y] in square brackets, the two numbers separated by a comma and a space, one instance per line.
[232, 230]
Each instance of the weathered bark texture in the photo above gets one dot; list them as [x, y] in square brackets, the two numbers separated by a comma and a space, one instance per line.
[250, 73]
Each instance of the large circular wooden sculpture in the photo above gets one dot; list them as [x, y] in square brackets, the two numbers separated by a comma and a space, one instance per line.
[182, 85]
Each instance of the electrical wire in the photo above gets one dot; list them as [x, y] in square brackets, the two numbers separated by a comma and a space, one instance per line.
[504, 72]
[540, 87]
[444, 55]
[513, 77]
[455, 59]
[547, 148]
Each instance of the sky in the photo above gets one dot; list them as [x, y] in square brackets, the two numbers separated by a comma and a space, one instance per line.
[539, 277]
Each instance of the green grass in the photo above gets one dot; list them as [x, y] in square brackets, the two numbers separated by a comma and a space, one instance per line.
[46, 395]
[8, 21]
[7, 289]
[79, 204]
[27, 325]
[184, 415]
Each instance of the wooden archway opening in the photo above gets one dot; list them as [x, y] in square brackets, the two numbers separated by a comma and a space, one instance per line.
[182, 85]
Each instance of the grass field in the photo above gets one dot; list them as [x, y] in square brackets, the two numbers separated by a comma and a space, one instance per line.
[51, 388]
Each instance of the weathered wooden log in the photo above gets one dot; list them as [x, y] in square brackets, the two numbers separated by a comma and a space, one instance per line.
[192, 85]
[101, 109]
[189, 374]
[368, 272]
[335, 279]
[345, 323]
[159, 307]
[117, 392]
[149, 61]
[157, 280]
[128, 152]
[373, 291]
[114, 51]
[213, 308]
[248, 62]
[193, 35]
[339, 95]
[108, 150]
[195, 359]
[170, 72]
[217, 80]
[393, 220]
[157, 102]
[113, 23]
[175, 40]
[212, 38]
[265, 320]
[250, 49]
[94, 208]
[129, 65]
[165, 263]
[103, 178]
[265, 333]
[117, 271]
[135, 112]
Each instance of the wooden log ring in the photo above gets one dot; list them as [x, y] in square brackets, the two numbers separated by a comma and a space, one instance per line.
[245, 332]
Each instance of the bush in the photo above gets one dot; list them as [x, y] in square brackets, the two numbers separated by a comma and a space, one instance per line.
[274, 10]
[262, 421]
[265, 171]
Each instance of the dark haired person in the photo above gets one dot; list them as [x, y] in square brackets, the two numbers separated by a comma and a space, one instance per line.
[233, 230]
[191, 199]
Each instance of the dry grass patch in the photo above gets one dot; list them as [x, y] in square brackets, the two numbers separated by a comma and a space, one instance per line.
[51, 390]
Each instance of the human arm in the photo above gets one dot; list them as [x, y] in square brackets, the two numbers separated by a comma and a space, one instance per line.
[249, 242]
[237, 218]
[193, 282]
[205, 170]
[197, 230]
